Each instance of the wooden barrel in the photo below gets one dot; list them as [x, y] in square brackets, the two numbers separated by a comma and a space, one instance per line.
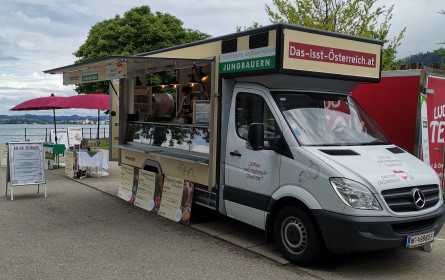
[162, 104]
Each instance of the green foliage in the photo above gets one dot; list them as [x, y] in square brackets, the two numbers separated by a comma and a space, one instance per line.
[138, 31]
[104, 145]
[253, 26]
[353, 17]
[440, 52]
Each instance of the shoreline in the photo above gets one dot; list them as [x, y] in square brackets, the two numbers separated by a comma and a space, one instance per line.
[42, 132]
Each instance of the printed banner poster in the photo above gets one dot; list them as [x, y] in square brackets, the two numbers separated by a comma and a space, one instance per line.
[129, 183]
[149, 191]
[176, 202]
[71, 164]
[49, 152]
[26, 163]
[74, 135]
[62, 136]
[166, 196]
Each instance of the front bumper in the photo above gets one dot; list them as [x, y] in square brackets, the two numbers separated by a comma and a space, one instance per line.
[343, 233]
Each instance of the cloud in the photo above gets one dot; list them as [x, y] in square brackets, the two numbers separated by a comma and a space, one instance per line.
[15, 89]
[215, 17]
[39, 35]
[7, 57]
[421, 35]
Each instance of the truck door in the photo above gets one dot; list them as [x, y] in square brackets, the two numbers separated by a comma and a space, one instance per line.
[436, 120]
[250, 176]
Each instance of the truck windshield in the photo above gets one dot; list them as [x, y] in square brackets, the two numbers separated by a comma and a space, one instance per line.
[328, 120]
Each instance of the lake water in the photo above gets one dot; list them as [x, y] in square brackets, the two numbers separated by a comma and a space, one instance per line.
[42, 132]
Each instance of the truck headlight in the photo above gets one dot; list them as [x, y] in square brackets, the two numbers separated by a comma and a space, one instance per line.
[355, 194]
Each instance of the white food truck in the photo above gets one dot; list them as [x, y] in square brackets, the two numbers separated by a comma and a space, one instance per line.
[276, 140]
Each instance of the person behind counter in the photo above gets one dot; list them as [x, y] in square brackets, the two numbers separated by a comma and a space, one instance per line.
[186, 108]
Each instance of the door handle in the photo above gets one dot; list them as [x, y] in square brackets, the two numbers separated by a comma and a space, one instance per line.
[235, 153]
[438, 149]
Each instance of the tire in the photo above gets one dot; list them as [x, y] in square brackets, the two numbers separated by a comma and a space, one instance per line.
[297, 236]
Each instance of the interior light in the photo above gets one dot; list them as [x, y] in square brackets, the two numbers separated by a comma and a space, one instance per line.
[203, 76]
[192, 81]
[163, 84]
[175, 84]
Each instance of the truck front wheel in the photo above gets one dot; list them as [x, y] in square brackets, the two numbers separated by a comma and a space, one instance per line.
[296, 236]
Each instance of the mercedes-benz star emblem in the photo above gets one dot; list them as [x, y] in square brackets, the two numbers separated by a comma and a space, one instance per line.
[418, 198]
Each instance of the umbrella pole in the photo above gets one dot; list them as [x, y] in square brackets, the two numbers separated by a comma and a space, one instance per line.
[55, 129]
[98, 121]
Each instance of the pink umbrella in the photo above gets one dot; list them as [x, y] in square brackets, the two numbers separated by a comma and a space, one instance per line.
[85, 101]
[41, 103]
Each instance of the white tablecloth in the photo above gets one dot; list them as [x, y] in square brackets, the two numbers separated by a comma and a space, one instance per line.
[98, 160]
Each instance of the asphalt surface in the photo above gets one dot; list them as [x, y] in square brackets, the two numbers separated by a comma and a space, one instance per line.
[83, 231]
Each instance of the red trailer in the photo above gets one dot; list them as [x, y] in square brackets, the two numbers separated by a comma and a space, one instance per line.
[409, 106]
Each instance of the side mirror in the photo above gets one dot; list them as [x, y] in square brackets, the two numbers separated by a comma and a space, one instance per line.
[256, 136]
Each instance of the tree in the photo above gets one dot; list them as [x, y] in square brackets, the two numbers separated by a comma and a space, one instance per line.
[425, 58]
[138, 31]
[353, 17]
[254, 25]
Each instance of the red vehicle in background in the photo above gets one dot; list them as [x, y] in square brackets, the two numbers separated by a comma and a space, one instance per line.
[409, 106]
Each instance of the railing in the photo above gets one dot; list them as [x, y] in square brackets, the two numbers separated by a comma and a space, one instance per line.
[44, 134]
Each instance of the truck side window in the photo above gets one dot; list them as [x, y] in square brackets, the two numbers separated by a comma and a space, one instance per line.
[251, 108]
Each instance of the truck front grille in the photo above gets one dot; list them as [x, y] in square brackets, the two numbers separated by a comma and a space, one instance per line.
[401, 199]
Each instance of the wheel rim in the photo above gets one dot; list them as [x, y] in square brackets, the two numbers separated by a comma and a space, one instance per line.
[294, 235]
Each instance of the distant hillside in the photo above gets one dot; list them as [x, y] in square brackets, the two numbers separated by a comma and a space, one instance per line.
[45, 119]
[424, 58]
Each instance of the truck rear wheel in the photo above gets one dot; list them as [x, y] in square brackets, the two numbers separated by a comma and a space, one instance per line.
[296, 236]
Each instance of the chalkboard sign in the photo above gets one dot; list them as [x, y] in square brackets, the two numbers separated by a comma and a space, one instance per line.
[26, 164]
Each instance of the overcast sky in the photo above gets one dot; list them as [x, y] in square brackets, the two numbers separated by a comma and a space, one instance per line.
[37, 35]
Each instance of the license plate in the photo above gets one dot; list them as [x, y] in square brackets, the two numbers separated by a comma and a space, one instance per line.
[419, 240]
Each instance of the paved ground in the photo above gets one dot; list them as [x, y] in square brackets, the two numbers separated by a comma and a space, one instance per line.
[83, 231]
